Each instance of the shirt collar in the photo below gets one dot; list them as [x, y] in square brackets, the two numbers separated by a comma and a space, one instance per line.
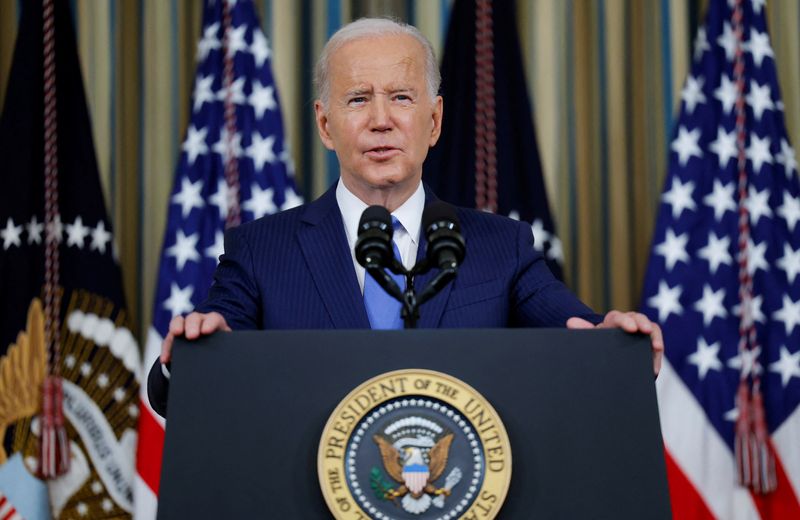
[409, 214]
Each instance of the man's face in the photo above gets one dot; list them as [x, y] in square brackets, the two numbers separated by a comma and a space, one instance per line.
[379, 118]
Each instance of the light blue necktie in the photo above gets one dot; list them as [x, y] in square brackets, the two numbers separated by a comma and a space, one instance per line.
[383, 310]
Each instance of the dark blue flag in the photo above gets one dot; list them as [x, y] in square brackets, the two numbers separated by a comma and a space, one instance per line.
[234, 161]
[486, 156]
[723, 280]
[68, 360]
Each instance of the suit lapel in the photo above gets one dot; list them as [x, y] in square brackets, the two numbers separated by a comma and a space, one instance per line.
[324, 245]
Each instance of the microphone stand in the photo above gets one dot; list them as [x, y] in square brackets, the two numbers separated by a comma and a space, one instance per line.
[409, 298]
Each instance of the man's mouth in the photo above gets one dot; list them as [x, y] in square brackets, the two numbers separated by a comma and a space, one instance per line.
[382, 152]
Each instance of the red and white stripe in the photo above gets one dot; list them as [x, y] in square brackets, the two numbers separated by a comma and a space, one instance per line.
[7, 510]
[151, 441]
[701, 467]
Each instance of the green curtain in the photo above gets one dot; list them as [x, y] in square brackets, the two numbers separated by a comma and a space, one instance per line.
[604, 75]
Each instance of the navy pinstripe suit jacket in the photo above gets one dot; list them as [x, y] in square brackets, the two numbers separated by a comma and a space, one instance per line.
[293, 270]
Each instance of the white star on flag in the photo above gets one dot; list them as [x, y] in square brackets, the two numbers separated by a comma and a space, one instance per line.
[291, 199]
[259, 48]
[221, 146]
[711, 304]
[209, 41]
[747, 362]
[203, 92]
[790, 262]
[724, 147]
[260, 151]
[758, 46]
[189, 197]
[757, 204]
[180, 300]
[754, 314]
[236, 41]
[705, 358]
[216, 249]
[100, 237]
[195, 143]
[555, 252]
[673, 249]
[679, 197]
[786, 158]
[788, 366]
[55, 229]
[34, 229]
[540, 234]
[11, 234]
[260, 202]
[76, 233]
[790, 210]
[716, 252]
[726, 93]
[759, 99]
[701, 44]
[220, 198]
[667, 301]
[758, 152]
[721, 199]
[756, 256]
[789, 314]
[184, 249]
[686, 145]
[236, 92]
[692, 93]
[262, 98]
[727, 40]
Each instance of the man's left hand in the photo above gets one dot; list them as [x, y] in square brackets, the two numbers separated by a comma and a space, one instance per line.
[632, 322]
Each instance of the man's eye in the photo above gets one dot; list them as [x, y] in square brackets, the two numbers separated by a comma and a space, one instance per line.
[357, 100]
[402, 97]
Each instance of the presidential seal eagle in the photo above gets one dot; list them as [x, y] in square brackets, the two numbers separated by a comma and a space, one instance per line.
[408, 468]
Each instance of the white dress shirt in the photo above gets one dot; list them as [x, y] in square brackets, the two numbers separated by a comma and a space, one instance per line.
[406, 237]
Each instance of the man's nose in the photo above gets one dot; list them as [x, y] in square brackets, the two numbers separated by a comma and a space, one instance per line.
[380, 115]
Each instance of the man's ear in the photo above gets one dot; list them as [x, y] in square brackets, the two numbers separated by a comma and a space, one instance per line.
[438, 112]
[322, 124]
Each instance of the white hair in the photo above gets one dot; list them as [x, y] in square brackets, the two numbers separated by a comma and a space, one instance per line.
[370, 28]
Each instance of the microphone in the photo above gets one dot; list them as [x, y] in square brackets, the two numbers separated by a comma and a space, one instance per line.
[374, 249]
[445, 244]
[374, 245]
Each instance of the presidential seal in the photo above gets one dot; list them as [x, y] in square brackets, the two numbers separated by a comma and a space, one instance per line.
[414, 444]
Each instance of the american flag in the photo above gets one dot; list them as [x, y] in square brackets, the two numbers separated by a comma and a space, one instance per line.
[724, 278]
[234, 144]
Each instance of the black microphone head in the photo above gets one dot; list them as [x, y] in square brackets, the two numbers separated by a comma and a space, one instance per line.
[446, 247]
[374, 244]
[440, 212]
[375, 216]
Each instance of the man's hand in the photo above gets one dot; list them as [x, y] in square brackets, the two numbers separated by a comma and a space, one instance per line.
[191, 327]
[632, 322]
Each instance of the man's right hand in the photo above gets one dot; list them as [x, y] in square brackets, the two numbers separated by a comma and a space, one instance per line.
[191, 327]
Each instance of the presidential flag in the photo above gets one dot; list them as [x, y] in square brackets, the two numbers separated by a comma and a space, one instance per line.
[487, 157]
[234, 166]
[69, 365]
[724, 281]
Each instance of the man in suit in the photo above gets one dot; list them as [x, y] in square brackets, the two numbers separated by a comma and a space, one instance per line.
[378, 109]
